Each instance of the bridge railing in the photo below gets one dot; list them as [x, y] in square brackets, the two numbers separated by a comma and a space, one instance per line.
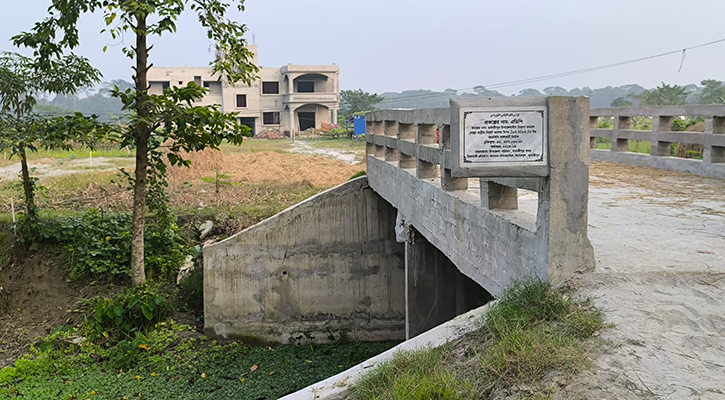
[480, 228]
[662, 138]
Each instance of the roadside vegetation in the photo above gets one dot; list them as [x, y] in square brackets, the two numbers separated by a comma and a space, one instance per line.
[127, 350]
[532, 332]
[103, 339]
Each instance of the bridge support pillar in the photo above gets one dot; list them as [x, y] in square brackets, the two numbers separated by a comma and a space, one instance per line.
[436, 291]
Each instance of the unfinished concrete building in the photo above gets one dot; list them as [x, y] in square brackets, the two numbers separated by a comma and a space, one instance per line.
[291, 99]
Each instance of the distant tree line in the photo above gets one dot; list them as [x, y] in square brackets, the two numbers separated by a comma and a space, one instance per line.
[710, 91]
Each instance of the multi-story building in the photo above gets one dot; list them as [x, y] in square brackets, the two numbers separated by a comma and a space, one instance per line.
[290, 99]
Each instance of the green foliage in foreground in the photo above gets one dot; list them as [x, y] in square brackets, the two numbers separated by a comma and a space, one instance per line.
[98, 245]
[532, 330]
[172, 365]
[136, 310]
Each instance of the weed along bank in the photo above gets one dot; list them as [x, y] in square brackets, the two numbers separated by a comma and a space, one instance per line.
[335, 265]
[289, 99]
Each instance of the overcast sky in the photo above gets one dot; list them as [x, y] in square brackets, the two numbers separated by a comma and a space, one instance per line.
[395, 45]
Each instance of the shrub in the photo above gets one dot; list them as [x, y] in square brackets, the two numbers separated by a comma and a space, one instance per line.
[132, 312]
[679, 125]
[98, 245]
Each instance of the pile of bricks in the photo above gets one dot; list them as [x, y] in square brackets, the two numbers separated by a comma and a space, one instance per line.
[270, 134]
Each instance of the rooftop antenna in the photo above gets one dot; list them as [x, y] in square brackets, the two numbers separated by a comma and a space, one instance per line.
[254, 40]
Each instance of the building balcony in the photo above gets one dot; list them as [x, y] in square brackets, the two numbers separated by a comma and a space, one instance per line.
[321, 97]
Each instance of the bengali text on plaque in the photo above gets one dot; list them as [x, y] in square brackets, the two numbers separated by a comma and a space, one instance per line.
[511, 136]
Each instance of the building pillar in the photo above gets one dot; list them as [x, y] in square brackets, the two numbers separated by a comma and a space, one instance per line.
[292, 123]
[334, 117]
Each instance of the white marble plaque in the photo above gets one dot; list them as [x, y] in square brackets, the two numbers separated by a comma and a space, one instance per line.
[502, 137]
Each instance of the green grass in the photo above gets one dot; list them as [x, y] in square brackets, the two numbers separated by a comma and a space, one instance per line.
[635, 146]
[338, 144]
[532, 330]
[258, 145]
[75, 154]
[177, 366]
[415, 375]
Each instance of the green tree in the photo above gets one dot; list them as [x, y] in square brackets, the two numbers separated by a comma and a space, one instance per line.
[21, 83]
[357, 101]
[663, 95]
[556, 91]
[481, 91]
[621, 102]
[713, 92]
[530, 92]
[171, 119]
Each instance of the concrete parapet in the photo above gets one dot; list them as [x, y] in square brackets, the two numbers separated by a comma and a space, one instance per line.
[481, 231]
[661, 138]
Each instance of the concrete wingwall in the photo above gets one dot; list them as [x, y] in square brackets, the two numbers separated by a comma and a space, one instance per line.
[328, 263]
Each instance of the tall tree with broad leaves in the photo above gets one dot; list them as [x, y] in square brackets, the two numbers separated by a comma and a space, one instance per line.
[21, 83]
[713, 92]
[357, 101]
[663, 95]
[621, 102]
[170, 119]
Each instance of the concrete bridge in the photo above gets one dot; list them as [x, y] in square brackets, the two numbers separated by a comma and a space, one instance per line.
[335, 264]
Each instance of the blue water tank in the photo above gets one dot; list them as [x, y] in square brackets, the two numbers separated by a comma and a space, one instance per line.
[359, 125]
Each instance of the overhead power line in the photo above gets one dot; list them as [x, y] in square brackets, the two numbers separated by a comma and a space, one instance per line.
[548, 77]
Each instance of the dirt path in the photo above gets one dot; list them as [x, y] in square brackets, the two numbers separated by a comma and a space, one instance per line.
[350, 157]
[51, 167]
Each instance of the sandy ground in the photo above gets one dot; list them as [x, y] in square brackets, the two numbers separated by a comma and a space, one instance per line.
[660, 279]
[349, 157]
[659, 243]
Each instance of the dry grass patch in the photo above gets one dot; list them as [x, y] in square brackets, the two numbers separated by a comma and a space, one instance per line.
[265, 167]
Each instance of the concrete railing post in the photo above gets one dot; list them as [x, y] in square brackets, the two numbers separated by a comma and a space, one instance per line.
[620, 123]
[660, 123]
[564, 198]
[406, 132]
[379, 147]
[425, 134]
[593, 124]
[713, 154]
[496, 196]
[448, 182]
[390, 129]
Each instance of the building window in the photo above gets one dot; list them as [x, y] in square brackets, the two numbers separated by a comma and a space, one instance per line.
[206, 85]
[165, 85]
[249, 122]
[270, 87]
[270, 118]
[241, 100]
[305, 87]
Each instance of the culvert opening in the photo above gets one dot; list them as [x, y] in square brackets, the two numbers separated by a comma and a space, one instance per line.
[436, 290]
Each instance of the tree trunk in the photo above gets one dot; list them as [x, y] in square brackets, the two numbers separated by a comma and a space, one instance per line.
[30, 209]
[141, 133]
